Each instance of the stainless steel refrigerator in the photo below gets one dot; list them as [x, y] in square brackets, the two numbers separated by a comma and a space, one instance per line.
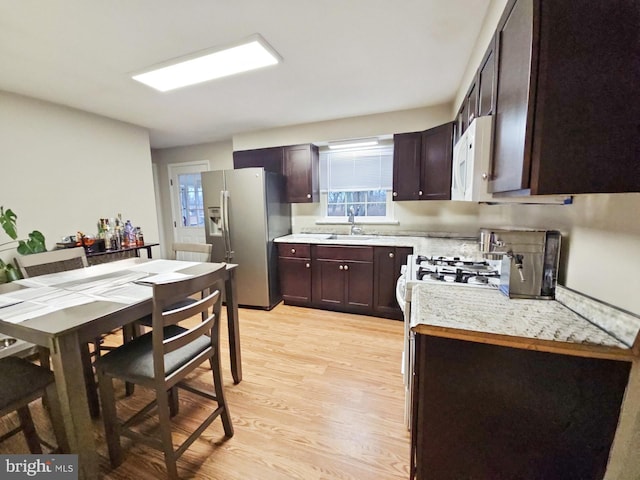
[246, 210]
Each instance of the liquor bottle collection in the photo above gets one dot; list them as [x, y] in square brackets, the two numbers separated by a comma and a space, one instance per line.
[115, 233]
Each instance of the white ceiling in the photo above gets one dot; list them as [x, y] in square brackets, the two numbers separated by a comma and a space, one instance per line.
[341, 58]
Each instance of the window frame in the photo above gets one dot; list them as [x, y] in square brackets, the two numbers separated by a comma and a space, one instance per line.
[388, 219]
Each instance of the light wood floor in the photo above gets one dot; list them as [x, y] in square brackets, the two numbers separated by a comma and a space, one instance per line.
[321, 398]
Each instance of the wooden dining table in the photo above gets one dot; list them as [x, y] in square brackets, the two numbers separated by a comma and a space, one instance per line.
[64, 330]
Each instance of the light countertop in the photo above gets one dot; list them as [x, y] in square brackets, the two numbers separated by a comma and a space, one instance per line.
[434, 245]
[488, 316]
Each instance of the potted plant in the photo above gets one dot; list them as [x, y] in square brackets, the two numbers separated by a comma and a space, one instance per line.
[34, 244]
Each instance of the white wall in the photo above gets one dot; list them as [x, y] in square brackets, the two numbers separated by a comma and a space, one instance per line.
[63, 169]
[346, 128]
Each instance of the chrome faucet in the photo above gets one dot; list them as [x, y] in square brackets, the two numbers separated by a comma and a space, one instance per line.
[355, 230]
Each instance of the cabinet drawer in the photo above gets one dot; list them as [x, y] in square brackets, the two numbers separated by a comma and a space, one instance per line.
[341, 252]
[295, 250]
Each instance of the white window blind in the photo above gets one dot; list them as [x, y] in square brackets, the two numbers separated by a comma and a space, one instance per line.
[353, 170]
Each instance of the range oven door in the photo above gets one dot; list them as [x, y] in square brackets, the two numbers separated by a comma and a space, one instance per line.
[404, 300]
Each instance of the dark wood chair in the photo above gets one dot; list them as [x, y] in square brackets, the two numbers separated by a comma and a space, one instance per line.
[161, 359]
[22, 382]
[193, 252]
[41, 264]
[52, 262]
[56, 261]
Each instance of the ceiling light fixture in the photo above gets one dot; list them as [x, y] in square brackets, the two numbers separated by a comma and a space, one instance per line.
[353, 143]
[207, 65]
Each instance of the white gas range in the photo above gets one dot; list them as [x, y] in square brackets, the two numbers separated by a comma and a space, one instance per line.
[449, 270]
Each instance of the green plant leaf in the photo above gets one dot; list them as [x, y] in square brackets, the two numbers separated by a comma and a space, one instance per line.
[35, 244]
[12, 273]
[8, 222]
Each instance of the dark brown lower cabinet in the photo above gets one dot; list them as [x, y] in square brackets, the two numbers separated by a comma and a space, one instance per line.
[387, 264]
[295, 280]
[483, 411]
[294, 268]
[358, 279]
[343, 277]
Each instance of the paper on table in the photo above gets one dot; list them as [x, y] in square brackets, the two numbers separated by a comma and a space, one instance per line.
[52, 279]
[162, 277]
[127, 294]
[6, 301]
[88, 285]
[35, 293]
[163, 266]
[35, 308]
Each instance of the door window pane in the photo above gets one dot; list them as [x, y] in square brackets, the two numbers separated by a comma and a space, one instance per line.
[191, 204]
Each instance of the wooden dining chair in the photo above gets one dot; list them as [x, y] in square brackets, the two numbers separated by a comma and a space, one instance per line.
[160, 360]
[56, 261]
[22, 382]
[37, 264]
[53, 261]
[194, 252]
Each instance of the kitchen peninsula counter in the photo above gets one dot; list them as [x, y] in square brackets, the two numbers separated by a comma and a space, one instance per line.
[517, 388]
[488, 316]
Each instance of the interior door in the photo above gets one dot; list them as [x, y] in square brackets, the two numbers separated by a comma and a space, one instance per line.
[186, 201]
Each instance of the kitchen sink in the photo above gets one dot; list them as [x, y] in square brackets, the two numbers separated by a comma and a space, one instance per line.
[352, 237]
[318, 237]
[311, 236]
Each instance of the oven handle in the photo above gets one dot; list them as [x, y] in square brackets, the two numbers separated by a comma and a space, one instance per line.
[401, 288]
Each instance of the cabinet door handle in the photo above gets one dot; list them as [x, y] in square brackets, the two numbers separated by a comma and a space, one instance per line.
[395, 194]
[308, 195]
[420, 192]
[308, 265]
[293, 250]
[391, 255]
[346, 267]
[341, 267]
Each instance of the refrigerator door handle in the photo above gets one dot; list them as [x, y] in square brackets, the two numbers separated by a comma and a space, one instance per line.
[224, 200]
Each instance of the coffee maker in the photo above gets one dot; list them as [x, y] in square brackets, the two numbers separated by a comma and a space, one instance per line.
[530, 260]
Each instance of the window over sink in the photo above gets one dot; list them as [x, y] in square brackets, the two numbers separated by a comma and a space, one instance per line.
[359, 180]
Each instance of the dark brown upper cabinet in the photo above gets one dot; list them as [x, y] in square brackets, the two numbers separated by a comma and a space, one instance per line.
[407, 151]
[486, 81]
[422, 164]
[299, 164]
[301, 168]
[567, 110]
[468, 110]
[269, 158]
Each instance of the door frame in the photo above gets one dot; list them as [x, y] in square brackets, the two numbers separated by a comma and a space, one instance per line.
[205, 164]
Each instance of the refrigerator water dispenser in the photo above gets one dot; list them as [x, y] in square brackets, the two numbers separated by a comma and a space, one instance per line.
[215, 221]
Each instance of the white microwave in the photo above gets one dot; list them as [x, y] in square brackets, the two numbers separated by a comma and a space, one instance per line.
[471, 163]
[471, 167]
